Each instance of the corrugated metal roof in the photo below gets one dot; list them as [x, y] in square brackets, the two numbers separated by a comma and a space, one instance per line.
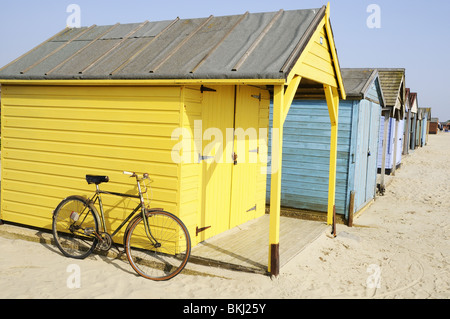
[392, 83]
[247, 46]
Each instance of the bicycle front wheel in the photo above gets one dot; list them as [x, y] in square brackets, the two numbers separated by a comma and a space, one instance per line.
[74, 227]
[163, 251]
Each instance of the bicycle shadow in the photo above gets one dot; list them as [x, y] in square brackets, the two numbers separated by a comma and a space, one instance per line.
[114, 256]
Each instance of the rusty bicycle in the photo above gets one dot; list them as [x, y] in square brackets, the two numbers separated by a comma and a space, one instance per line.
[157, 243]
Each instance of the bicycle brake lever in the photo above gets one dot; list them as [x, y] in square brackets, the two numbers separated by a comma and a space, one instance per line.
[129, 173]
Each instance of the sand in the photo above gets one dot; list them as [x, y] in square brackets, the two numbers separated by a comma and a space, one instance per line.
[399, 248]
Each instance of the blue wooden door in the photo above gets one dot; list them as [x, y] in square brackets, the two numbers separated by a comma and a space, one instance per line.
[306, 156]
[372, 158]
[399, 141]
[361, 153]
[366, 153]
[390, 140]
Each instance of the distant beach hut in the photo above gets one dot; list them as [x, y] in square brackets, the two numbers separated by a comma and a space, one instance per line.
[414, 104]
[306, 147]
[425, 115]
[392, 121]
[419, 128]
[434, 126]
[410, 121]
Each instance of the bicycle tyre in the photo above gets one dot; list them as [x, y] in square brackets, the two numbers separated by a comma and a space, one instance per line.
[167, 258]
[74, 227]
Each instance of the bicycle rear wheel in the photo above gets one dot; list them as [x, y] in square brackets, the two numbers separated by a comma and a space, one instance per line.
[165, 252]
[74, 227]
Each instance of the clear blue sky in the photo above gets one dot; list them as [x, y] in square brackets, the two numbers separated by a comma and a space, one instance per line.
[414, 34]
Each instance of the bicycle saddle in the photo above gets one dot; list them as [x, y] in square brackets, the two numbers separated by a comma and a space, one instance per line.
[97, 180]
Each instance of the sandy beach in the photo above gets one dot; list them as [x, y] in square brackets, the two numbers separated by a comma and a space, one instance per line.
[398, 248]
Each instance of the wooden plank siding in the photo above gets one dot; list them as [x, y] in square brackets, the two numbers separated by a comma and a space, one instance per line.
[306, 153]
[306, 156]
[190, 172]
[317, 62]
[54, 136]
[390, 143]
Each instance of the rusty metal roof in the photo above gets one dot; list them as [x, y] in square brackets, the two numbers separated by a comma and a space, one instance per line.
[249, 46]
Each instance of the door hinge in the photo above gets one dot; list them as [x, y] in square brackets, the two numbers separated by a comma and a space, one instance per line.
[199, 230]
[206, 89]
[257, 96]
[251, 209]
[204, 158]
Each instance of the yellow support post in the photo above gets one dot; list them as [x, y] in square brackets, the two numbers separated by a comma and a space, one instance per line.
[332, 97]
[275, 186]
[282, 101]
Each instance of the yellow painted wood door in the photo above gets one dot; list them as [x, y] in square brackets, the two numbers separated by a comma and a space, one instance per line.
[244, 176]
[217, 117]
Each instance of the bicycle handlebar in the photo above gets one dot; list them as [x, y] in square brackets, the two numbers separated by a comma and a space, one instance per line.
[144, 176]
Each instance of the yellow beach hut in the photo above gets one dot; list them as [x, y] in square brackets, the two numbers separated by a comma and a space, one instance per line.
[185, 100]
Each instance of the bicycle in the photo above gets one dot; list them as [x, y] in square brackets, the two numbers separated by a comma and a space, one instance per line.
[157, 243]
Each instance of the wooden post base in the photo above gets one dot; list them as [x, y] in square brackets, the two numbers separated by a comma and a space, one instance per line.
[274, 260]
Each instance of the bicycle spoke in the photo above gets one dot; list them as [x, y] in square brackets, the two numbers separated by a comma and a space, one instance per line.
[72, 219]
[165, 253]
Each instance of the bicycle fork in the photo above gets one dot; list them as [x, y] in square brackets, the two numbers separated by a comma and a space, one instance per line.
[156, 244]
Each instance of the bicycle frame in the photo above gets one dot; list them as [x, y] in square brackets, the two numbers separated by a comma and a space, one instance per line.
[97, 196]
[140, 206]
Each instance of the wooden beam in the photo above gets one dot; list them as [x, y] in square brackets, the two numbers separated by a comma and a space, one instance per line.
[383, 158]
[331, 104]
[332, 97]
[275, 186]
[394, 166]
[145, 82]
[334, 55]
[406, 138]
[290, 94]
[351, 209]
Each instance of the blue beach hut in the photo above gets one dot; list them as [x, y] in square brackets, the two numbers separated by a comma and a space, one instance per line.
[413, 104]
[305, 169]
[392, 122]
